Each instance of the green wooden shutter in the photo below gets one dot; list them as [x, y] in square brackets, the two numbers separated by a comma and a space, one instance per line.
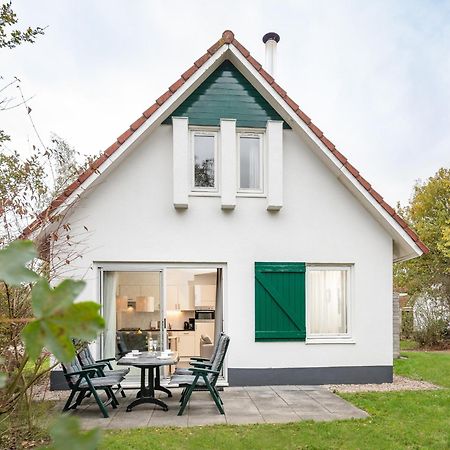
[280, 301]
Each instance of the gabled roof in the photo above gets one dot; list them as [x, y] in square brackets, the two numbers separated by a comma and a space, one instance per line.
[228, 39]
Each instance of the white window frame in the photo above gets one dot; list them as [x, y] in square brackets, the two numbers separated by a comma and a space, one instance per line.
[197, 190]
[335, 338]
[243, 192]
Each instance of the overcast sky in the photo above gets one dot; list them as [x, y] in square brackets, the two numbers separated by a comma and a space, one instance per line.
[373, 75]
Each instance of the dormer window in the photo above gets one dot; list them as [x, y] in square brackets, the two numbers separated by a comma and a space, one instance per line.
[204, 161]
[250, 162]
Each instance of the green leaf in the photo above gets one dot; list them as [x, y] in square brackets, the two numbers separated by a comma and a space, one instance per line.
[34, 338]
[55, 332]
[66, 434]
[47, 301]
[81, 320]
[12, 263]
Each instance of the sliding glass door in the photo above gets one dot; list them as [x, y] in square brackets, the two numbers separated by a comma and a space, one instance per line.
[133, 308]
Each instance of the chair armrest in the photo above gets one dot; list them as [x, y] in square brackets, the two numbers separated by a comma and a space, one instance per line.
[203, 370]
[199, 358]
[200, 364]
[105, 360]
[97, 367]
[82, 373]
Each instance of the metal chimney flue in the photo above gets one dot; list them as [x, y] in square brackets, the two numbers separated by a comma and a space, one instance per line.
[271, 40]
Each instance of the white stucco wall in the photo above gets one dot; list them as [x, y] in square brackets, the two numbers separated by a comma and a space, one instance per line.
[130, 217]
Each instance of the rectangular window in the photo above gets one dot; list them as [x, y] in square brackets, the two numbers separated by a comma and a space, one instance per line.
[328, 291]
[250, 156]
[204, 161]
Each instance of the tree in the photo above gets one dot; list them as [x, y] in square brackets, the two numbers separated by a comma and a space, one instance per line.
[428, 213]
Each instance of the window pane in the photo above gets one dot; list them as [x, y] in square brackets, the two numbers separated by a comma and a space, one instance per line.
[204, 175]
[327, 301]
[250, 170]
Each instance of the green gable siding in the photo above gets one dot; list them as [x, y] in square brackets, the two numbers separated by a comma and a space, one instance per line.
[280, 301]
[226, 94]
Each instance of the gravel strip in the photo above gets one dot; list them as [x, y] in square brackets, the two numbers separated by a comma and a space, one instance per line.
[399, 384]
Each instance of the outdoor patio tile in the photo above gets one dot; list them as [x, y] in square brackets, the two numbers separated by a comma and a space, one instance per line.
[243, 418]
[205, 420]
[133, 419]
[280, 417]
[287, 387]
[311, 387]
[270, 404]
[173, 421]
[206, 411]
[233, 389]
[240, 405]
[234, 394]
[268, 393]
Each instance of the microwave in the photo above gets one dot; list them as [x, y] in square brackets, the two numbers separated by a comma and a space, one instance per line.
[204, 314]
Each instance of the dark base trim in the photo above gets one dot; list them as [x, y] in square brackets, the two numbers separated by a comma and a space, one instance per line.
[310, 375]
[58, 381]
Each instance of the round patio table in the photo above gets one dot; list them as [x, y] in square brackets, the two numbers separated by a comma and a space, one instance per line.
[150, 363]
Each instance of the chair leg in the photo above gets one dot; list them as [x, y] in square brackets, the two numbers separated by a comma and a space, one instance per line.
[183, 392]
[122, 392]
[187, 395]
[216, 397]
[115, 402]
[217, 394]
[80, 398]
[69, 400]
[99, 402]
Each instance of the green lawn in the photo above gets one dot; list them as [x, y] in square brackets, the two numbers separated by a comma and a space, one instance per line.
[398, 420]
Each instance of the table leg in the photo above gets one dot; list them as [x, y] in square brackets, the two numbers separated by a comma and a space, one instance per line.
[147, 393]
[158, 386]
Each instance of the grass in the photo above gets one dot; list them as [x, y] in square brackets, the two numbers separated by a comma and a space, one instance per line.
[399, 420]
[428, 366]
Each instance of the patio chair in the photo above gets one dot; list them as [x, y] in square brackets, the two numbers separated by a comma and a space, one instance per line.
[88, 362]
[203, 377]
[200, 361]
[86, 382]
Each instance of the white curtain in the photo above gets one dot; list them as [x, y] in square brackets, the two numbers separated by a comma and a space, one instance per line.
[109, 313]
[218, 324]
[327, 301]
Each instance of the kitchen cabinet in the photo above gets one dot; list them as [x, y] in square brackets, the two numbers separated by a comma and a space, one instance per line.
[179, 298]
[205, 295]
[185, 342]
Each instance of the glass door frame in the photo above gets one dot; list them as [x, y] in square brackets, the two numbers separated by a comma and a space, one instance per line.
[102, 268]
[162, 267]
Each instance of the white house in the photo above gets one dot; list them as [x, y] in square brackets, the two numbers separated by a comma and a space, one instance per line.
[223, 207]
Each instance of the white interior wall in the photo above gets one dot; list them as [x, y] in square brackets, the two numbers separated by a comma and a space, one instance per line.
[131, 217]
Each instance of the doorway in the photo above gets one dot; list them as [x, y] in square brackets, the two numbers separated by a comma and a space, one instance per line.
[157, 308]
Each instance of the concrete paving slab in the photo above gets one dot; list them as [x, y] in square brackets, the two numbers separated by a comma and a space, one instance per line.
[243, 405]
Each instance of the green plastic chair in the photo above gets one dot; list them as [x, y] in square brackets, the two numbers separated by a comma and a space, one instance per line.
[203, 377]
[86, 382]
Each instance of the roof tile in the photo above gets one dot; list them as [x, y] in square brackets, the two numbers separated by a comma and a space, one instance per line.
[228, 36]
[327, 143]
[266, 76]
[303, 116]
[186, 75]
[279, 90]
[253, 62]
[213, 49]
[163, 98]
[352, 169]
[364, 182]
[112, 149]
[244, 52]
[150, 111]
[388, 208]
[200, 61]
[376, 195]
[124, 136]
[175, 86]
[339, 155]
[137, 123]
[291, 103]
[315, 130]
